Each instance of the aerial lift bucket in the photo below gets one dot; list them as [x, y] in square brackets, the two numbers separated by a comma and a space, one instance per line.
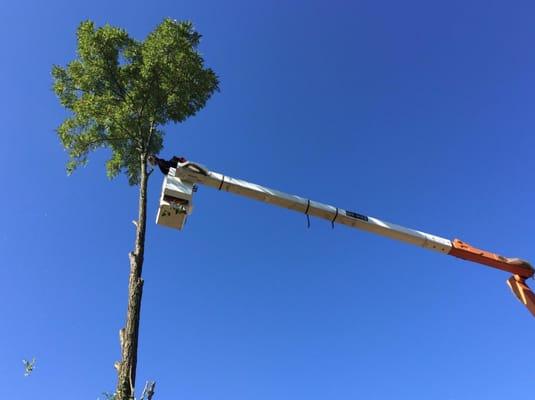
[176, 202]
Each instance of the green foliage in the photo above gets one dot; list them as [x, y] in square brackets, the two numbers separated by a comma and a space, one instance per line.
[121, 92]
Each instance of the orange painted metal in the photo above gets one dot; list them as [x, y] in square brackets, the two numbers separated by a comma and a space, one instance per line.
[513, 265]
[522, 292]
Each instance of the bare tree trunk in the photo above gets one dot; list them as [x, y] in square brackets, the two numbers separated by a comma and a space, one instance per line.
[129, 335]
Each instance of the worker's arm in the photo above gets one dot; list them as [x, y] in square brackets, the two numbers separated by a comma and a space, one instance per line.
[165, 165]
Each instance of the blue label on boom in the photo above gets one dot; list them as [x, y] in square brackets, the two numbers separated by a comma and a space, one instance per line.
[356, 215]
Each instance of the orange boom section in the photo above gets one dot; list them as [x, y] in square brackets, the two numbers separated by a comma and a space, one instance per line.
[522, 292]
[520, 269]
[516, 266]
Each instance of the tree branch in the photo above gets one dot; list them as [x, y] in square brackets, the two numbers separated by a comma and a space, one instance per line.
[151, 130]
[148, 391]
[145, 100]
[87, 145]
[123, 93]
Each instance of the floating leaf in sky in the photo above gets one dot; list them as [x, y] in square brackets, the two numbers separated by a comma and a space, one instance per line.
[28, 366]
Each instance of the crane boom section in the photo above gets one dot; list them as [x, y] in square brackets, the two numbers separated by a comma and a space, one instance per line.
[176, 204]
[313, 208]
[195, 173]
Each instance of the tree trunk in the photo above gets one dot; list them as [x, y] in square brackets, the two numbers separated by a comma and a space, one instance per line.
[126, 368]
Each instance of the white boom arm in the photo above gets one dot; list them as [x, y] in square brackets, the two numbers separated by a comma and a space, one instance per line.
[176, 204]
[181, 179]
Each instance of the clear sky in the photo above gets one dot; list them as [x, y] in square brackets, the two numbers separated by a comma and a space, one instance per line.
[417, 112]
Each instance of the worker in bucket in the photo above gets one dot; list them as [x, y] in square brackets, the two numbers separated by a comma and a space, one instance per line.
[164, 165]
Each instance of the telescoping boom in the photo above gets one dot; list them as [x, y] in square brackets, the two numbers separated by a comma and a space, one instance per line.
[180, 184]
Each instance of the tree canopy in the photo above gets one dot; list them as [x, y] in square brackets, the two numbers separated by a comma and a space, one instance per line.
[121, 92]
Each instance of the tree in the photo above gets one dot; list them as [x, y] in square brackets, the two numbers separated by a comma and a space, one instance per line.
[121, 92]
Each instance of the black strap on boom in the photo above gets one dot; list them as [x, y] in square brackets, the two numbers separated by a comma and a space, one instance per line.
[306, 213]
[334, 219]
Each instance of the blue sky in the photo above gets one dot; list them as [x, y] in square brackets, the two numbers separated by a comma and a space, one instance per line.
[417, 112]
